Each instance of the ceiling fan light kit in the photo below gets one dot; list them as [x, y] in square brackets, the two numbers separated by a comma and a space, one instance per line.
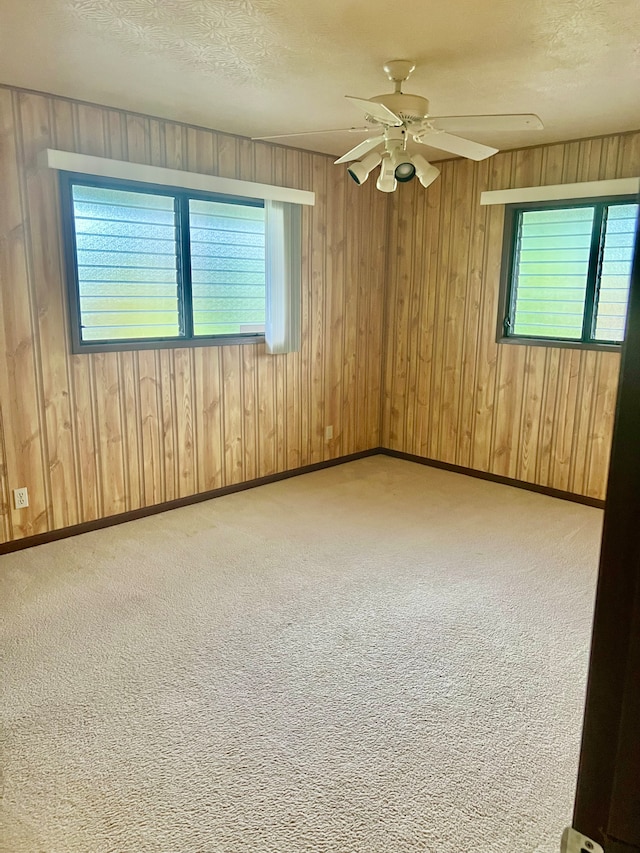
[360, 170]
[404, 170]
[386, 182]
[426, 172]
[399, 115]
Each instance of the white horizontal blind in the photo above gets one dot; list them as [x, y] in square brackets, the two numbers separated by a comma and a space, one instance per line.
[227, 267]
[617, 257]
[126, 261]
[551, 267]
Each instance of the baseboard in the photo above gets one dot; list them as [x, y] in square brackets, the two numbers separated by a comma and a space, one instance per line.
[495, 478]
[142, 512]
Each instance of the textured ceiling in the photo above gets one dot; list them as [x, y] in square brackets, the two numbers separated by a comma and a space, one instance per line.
[258, 67]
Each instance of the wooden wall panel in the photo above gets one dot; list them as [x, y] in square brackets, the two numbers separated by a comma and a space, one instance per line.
[97, 434]
[21, 391]
[451, 393]
[399, 308]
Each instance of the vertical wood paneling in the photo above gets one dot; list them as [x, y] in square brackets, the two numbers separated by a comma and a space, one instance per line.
[21, 412]
[391, 322]
[265, 169]
[316, 325]
[209, 418]
[93, 435]
[278, 175]
[334, 313]
[250, 411]
[373, 246]
[534, 375]
[398, 347]
[400, 264]
[184, 422]
[292, 379]
[132, 429]
[6, 527]
[440, 326]
[152, 459]
[458, 231]
[108, 422]
[582, 424]
[232, 415]
[350, 318]
[487, 358]
[539, 414]
[50, 310]
[426, 321]
[602, 424]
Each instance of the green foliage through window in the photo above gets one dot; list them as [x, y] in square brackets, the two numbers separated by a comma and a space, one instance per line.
[160, 265]
[570, 271]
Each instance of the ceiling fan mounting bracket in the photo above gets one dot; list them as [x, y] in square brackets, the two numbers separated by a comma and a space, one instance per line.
[399, 70]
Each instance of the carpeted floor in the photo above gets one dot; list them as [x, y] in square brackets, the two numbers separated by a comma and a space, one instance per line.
[374, 658]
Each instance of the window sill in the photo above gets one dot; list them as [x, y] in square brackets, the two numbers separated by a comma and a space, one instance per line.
[558, 344]
[168, 343]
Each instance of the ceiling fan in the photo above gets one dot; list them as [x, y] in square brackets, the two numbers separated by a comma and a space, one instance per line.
[400, 116]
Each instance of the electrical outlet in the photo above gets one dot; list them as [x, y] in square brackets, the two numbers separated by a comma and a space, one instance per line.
[21, 498]
[328, 433]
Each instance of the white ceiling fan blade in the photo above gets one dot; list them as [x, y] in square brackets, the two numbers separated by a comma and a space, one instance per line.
[515, 121]
[456, 145]
[367, 129]
[360, 149]
[377, 111]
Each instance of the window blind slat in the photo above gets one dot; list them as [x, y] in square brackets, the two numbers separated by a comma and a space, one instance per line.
[227, 266]
[617, 258]
[554, 258]
[126, 263]
[551, 272]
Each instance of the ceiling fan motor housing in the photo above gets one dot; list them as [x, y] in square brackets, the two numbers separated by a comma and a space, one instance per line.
[407, 107]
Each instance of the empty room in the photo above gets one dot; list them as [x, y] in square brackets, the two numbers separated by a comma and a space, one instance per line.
[312, 325]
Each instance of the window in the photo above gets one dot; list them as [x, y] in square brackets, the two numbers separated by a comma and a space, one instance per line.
[566, 271]
[154, 266]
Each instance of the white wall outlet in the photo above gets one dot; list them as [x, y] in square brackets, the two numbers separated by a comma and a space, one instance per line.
[21, 498]
[328, 433]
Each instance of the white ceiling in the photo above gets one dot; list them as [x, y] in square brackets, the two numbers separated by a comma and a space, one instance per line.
[257, 67]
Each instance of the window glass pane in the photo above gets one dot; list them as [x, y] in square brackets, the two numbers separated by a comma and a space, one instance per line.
[227, 267]
[127, 267]
[550, 275]
[617, 256]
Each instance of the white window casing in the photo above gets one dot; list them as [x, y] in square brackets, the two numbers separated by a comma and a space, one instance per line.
[559, 192]
[68, 161]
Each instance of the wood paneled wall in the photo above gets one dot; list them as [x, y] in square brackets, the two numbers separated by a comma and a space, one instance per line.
[399, 316]
[538, 414]
[94, 435]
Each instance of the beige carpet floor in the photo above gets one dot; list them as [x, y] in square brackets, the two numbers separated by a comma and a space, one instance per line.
[374, 658]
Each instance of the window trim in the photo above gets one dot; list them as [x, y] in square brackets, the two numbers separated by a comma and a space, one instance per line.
[185, 315]
[506, 294]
